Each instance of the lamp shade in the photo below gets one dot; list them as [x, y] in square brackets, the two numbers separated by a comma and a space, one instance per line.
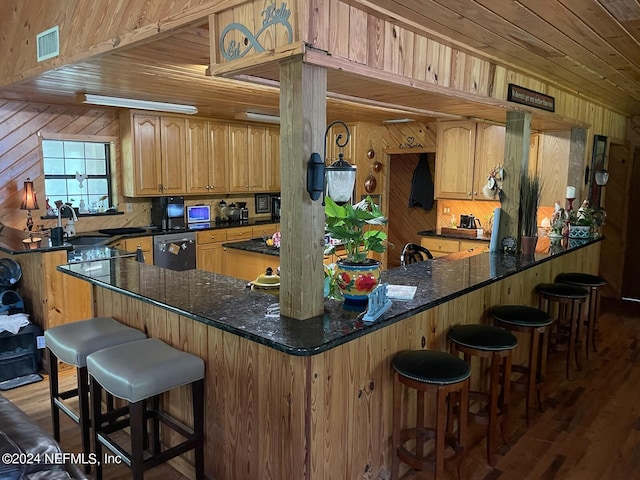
[341, 178]
[602, 177]
[29, 200]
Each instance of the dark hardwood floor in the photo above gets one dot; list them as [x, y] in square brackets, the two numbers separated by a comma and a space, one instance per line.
[589, 430]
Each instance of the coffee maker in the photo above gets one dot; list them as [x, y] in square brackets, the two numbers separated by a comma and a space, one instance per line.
[275, 207]
[167, 213]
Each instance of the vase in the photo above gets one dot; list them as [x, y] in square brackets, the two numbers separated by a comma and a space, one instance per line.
[582, 232]
[357, 280]
[528, 245]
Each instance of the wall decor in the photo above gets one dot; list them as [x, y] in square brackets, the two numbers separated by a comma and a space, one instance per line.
[524, 96]
[598, 165]
[263, 201]
[411, 143]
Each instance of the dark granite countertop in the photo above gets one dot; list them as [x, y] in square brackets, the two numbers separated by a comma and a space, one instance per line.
[225, 302]
[436, 233]
[11, 242]
[255, 245]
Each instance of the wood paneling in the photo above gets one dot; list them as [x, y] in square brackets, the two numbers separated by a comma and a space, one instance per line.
[21, 125]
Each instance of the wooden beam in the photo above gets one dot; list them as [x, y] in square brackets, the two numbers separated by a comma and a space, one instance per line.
[303, 93]
[516, 160]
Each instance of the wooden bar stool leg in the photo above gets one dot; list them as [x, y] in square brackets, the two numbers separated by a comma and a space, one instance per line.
[441, 426]
[54, 392]
[420, 423]
[397, 404]
[494, 390]
[96, 423]
[594, 316]
[83, 405]
[533, 373]
[136, 415]
[197, 389]
[505, 391]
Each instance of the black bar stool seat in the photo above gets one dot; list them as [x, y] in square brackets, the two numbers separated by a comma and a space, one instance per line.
[497, 344]
[592, 283]
[533, 322]
[569, 300]
[440, 373]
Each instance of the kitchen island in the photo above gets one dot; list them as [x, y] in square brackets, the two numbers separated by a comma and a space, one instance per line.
[308, 399]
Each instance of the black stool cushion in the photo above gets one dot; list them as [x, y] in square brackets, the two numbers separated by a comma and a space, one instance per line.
[483, 337]
[429, 366]
[581, 279]
[521, 315]
[562, 290]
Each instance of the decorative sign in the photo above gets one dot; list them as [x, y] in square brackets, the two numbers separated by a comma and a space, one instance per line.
[272, 16]
[411, 143]
[525, 96]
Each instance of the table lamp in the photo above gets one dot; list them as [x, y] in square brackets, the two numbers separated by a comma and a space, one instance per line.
[29, 201]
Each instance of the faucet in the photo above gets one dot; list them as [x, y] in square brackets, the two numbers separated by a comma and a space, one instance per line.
[71, 222]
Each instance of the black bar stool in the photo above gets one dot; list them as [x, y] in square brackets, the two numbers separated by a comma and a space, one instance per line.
[442, 374]
[591, 283]
[533, 322]
[139, 372]
[495, 343]
[569, 300]
[71, 343]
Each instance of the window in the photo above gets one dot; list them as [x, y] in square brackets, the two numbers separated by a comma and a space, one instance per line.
[77, 172]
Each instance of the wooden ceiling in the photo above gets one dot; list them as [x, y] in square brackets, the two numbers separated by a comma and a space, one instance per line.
[591, 47]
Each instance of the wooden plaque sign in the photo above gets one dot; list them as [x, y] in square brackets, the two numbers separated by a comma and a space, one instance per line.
[524, 96]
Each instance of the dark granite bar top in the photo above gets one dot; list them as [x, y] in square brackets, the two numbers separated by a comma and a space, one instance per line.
[255, 245]
[11, 241]
[225, 302]
[436, 233]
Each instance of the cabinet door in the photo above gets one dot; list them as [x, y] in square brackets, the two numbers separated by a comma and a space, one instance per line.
[173, 139]
[238, 159]
[257, 158]
[147, 159]
[198, 156]
[218, 157]
[488, 155]
[273, 159]
[210, 257]
[439, 246]
[454, 160]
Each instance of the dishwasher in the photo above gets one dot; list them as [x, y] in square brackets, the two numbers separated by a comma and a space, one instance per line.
[175, 251]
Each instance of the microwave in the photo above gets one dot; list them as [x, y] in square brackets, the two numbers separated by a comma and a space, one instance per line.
[198, 214]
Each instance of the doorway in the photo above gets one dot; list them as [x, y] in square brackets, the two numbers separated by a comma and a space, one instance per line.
[404, 222]
[630, 284]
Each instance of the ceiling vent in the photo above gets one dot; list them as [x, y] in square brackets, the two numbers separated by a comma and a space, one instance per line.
[48, 44]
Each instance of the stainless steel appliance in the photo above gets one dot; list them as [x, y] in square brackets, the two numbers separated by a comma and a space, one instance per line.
[275, 207]
[175, 251]
[167, 213]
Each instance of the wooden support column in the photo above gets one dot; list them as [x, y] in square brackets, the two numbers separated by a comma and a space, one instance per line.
[303, 93]
[516, 160]
[577, 157]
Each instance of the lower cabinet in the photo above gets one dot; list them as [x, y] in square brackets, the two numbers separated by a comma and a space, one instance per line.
[131, 245]
[439, 246]
[247, 265]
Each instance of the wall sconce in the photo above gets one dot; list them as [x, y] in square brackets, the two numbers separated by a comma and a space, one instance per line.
[601, 175]
[339, 178]
[29, 202]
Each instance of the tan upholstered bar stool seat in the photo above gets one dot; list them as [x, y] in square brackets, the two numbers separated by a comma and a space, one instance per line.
[569, 300]
[535, 323]
[592, 283]
[442, 374]
[496, 344]
[71, 343]
[139, 372]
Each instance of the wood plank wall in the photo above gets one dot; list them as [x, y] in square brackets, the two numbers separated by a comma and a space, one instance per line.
[273, 416]
[21, 157]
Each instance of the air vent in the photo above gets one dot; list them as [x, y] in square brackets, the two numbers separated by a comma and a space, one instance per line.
[48, 44]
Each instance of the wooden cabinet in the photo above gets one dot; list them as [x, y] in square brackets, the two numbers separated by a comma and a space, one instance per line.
[272, 183]
[248, 158]
[439, 246]
[467, 152]
[265, 230]
[207, 157]
[209, 251]
[131, 245]
[247, 265]
[153, 152]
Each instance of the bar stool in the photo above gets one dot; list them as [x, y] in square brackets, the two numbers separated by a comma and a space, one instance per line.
[533, 322]
[71, 343]
[497, 344]
[591, 283]
[139, 372]
[569, 300]
[434, 372]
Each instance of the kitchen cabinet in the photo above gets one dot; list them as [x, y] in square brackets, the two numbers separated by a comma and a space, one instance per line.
[263, 231]
[131, 245]
[207, 157]
[439, 246]
[247, 265]
[248, 158]
[153, 149]
[272, 183]
[209, 251]
[467, 152]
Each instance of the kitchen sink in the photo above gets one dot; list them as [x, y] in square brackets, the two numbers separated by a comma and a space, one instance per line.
[87, 240]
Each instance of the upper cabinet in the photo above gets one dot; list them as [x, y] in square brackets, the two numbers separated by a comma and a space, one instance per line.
[254, 164]
[153, 151]
[207, 156]
[467, 153]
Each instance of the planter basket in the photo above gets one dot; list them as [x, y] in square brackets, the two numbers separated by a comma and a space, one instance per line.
[582, 232]
[357, 280]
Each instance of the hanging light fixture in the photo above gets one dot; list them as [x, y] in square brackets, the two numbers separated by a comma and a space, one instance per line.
[338, 179]
[601, 175]
[29, 201]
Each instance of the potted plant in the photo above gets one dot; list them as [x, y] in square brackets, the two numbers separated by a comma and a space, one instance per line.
[353, 226]
[530, 187]
[586, 221]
